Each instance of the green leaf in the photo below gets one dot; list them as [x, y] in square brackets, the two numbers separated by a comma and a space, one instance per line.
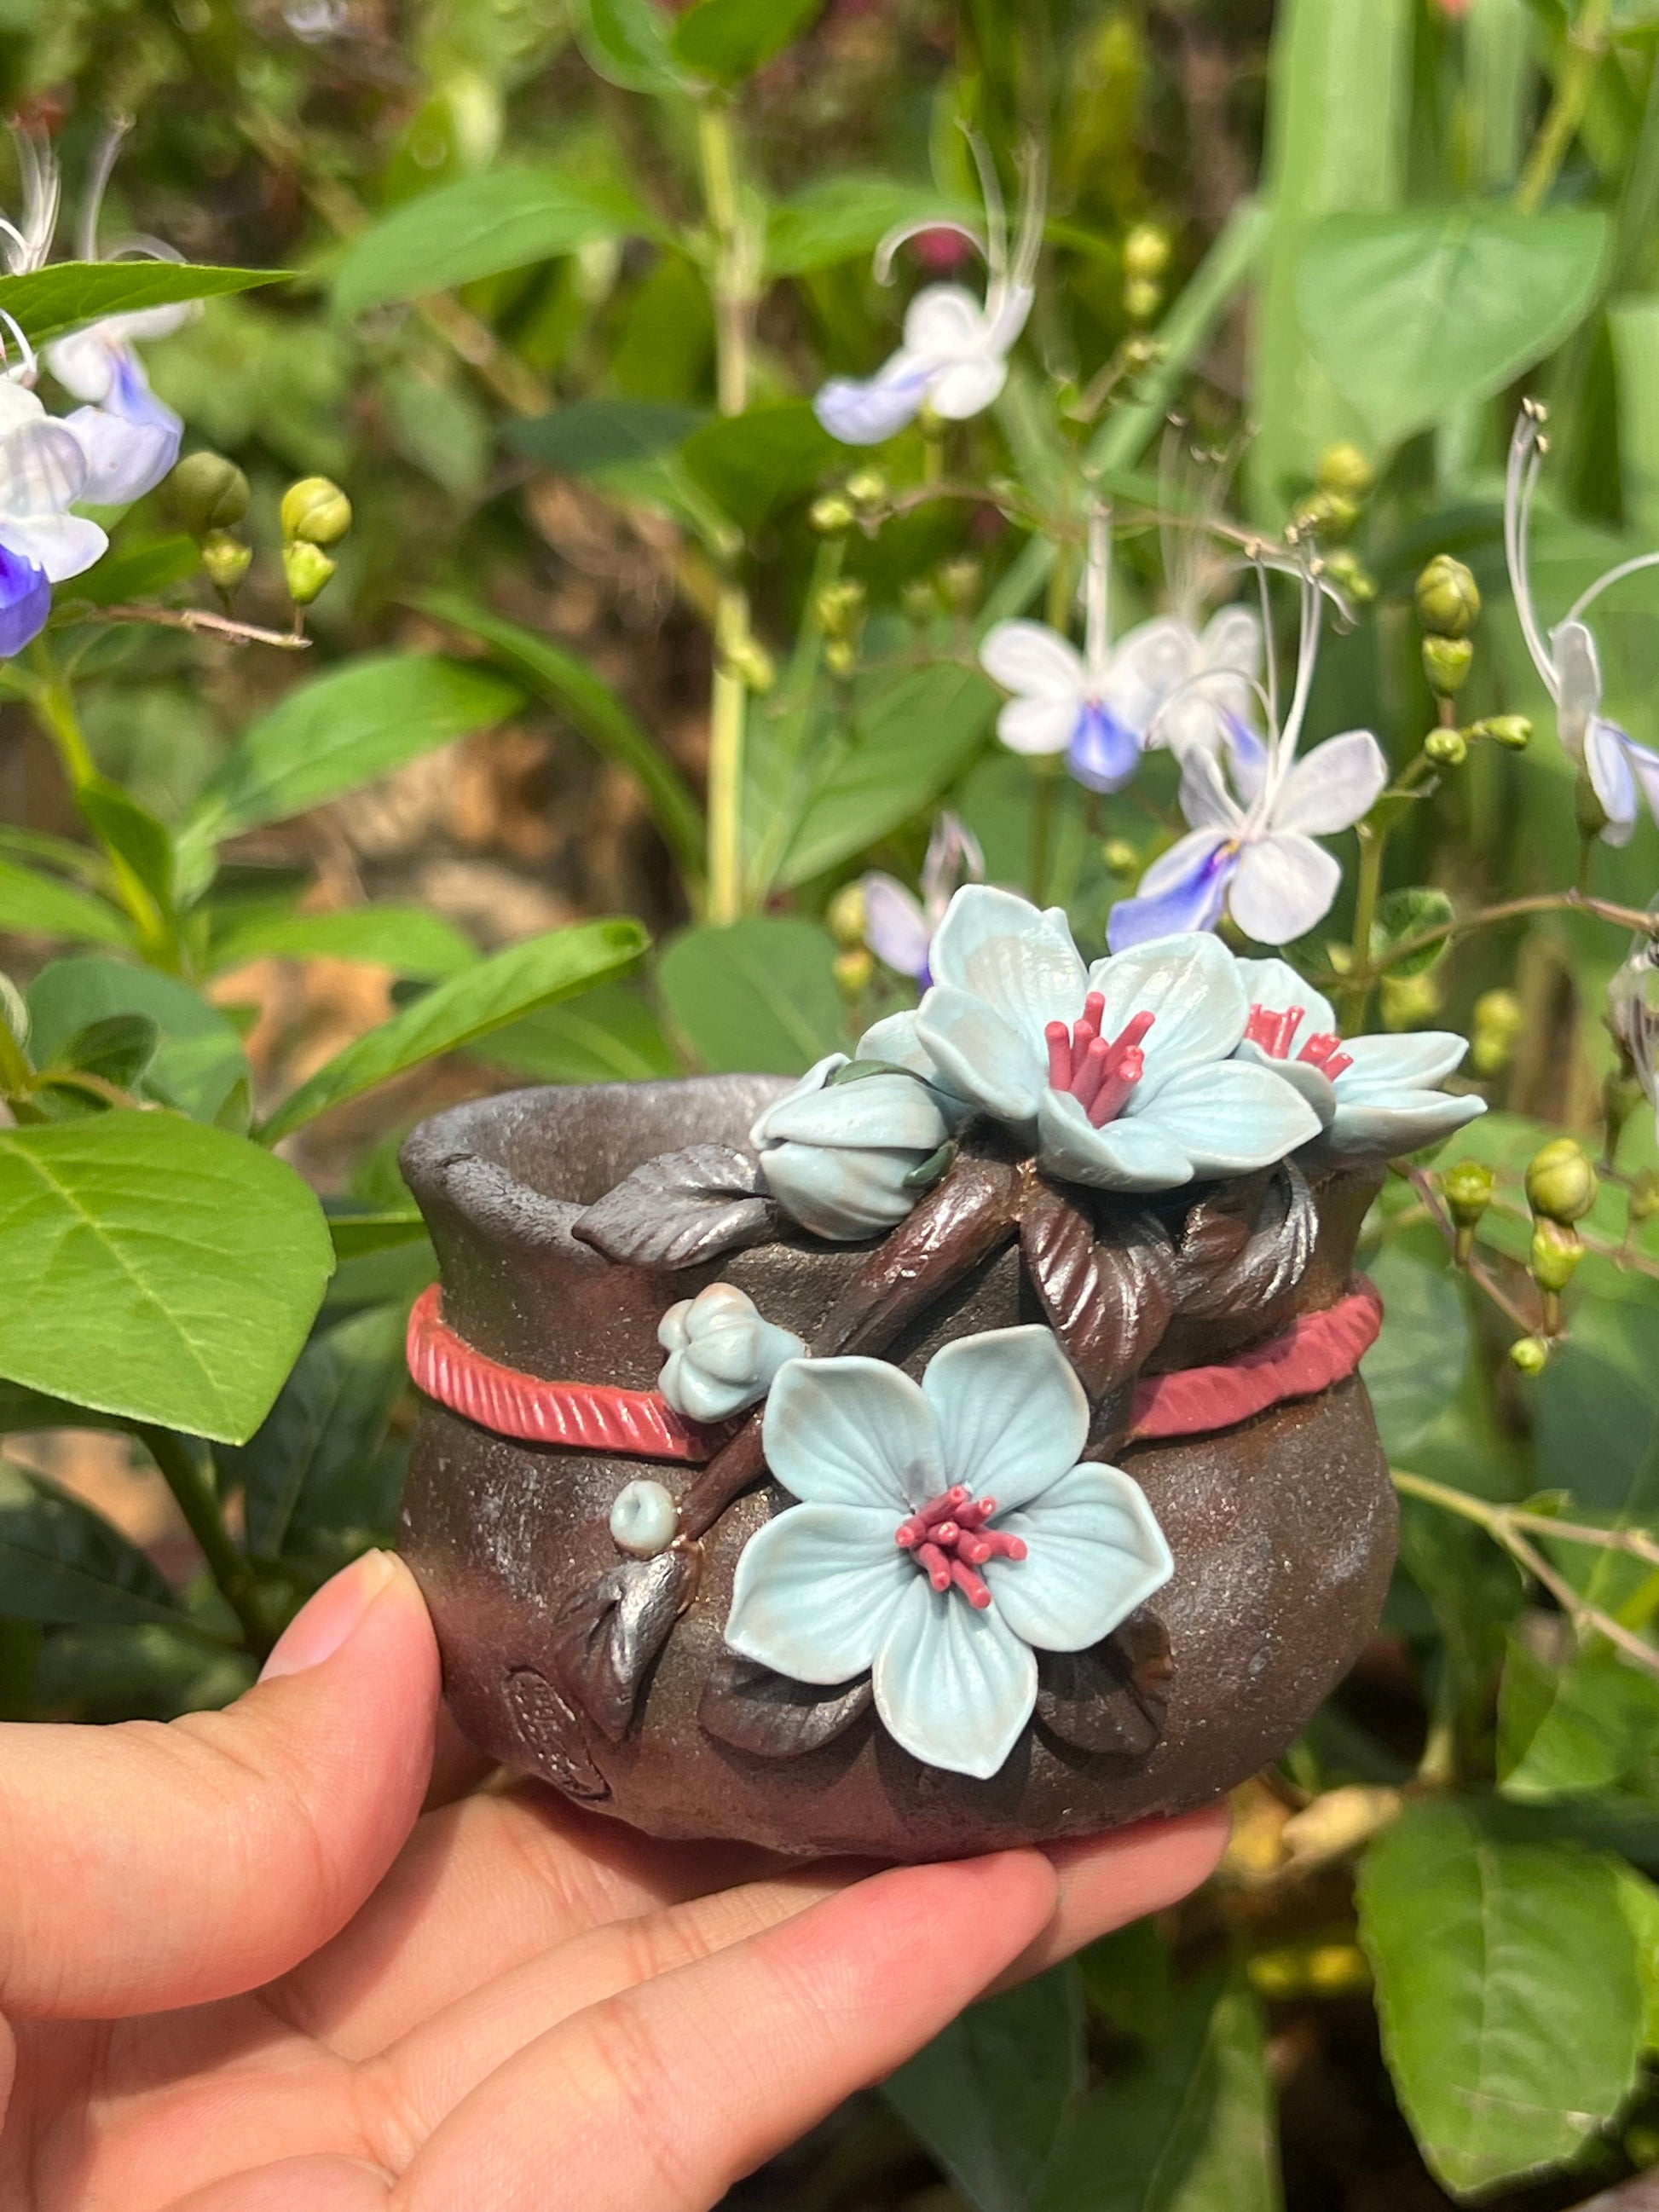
[564, 680]
[311, 1459]
[478, 225]
[359, 721]
[200, 1060]
[608, 1035]
[60, 1561]
[727, 39]
[755, 997]
[913, 735]
[1414, 1368]
[1414, 315]
[1507, 1988]
[36, 905]
[752, 465]
[139, 572]
[1641, 1902]
[842, 218]
[484, 998]
[156, 1269]
[1404, 914]
[1128, 1978]
[597, 433]
[356, 1234]
[133, 832]
[410, 940]
[988, 2096]
[118, 1047]
[627, 42]
[1592, 1725]
[48, 301]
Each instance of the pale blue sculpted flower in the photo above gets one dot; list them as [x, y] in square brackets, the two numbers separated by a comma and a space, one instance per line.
[722, 1353]
[1375, 1096]
[898, 928]
[849, 1159]
[1621, 772]
[1121, 1075]
[1251, 850]
[947, 1532]
[954, 358]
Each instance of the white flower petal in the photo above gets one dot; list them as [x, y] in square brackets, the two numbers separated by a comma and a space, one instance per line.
[967, 388]
[82, 364]
[979, 1056]
[816, 1589]
[42, 469]
[1148, 663]
[1332, 787]
[1283, 885]
[64, 545]
[1230, 1117]
[1012, 1417]
[953, 1686]
[1205, 798]
[1415, 1062]
[1021, 962]
[1190, 985]
[1578, 681]
[1606, 753]
[1232, 642]
[1036, 662]
[1124, 1155]
[1094, 1552]
[1038, 726]
[852, 1433]
[946, 322]
[1275, 986]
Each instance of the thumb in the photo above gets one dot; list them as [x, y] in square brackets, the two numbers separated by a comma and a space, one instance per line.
[149, 1868]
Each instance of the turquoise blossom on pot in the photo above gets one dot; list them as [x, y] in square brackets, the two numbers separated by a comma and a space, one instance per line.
[722, 1353]
[948, 1531]
[851, 1149]
[1121, 1075]
[1377, 1096]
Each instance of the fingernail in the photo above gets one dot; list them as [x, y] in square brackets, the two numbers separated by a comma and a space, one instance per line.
[324, 1622]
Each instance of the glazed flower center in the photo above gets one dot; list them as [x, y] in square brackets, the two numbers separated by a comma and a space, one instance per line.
[949, 1542]
[1275, 1033]
[1098, 1072]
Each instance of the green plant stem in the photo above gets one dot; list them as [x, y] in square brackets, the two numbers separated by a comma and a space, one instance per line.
[727, 716]
[187, 1479]
[1586, 45]
[1490, 917]
[1373, 847]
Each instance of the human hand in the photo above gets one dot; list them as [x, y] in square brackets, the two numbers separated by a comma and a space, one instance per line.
[241, 1971]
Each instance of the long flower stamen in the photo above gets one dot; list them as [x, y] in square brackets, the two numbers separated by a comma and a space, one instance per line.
[949, 1541]
[1099, 1072]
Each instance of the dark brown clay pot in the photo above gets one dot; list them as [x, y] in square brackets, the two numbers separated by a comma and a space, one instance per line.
[1282, 1528]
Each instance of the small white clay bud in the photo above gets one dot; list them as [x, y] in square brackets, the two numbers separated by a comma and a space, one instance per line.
[644, 1520]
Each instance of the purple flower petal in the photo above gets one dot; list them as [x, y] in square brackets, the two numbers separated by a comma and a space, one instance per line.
[25, 602]
[1194, 900]
[1105, 752]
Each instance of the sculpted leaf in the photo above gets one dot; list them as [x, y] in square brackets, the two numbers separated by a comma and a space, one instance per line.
[1110, 1293]
[607, 1635]
[681, 1209]
[1223, 1273]
[755, 1710]
[550, 1736]
[1110, 1699]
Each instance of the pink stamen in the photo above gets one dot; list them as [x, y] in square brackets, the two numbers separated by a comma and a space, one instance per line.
[1099, 1072]
[949, 1541]
[1060, 1056]
[1274, 1032]
[1113, 1095]
[1095, 1067]
[1324, 1051]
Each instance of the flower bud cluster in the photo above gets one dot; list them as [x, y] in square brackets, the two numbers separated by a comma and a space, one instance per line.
[316, 514]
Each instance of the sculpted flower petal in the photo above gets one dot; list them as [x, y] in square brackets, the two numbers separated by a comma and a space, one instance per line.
[818, 1590]
[1094, 1552]
[1191, 986]
[852, 1433]
[1021, 962]
[1127, 1154]
[1275, 985]
[1282, 887]
[1417, 1060]
[1332, 787]
[955, 1686]
[1012, 1416]
[1030, 658]
[878, 1111]
[1311, 1083]
[895, 1039]
[979, 1056]
[1232, 1118]
[1390, 1124]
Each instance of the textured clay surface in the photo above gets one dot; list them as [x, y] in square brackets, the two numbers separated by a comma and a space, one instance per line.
[1282, 1530]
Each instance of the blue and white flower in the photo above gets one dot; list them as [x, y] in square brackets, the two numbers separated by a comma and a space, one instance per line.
[1251, 852]
[722, 1353]
[898, 928]
[1162, 683]
[850, 1159]
[1121, 1075]
[947, 1531]
[954, 359]
[1375, 1096]
[43, 471]
[1621, 772]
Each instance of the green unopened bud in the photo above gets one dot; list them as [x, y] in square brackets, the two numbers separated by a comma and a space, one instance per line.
[1326, 514]
[226, 560]
[832, 515]
[1349, 574]
[867, 487]
[1561, 1184]
[846, 916]
[1409, 1001]
[1512, 731]
[315, 512]
[1119, 856]
[1146, 251]
[841, 608]
[307, 568]
[1141, 353]
[1529, 1355]
[1554, 1256]
[853, 969]
[751, 661]
[1468, 1188]
[1448, 598]
[1142, 297]
[841, 656]
[1446, 663]
[208, 493]
[1344, 469]
[920, 601]
[959, 583]
[1495, 1030]
[1644, 1196]
[1447, 748]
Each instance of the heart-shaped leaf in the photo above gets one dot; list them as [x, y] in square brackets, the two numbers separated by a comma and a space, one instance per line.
[681, 1209]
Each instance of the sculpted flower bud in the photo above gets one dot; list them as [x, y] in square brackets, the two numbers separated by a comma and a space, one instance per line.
[1561, 1184]
[1529, 1355]
[645, 1520]
[1448, 598]
[308, 569]
[226, 562]
[1467, 1189]
[1496, 1028]
[1446, 663]
[832, 514]
[1146, 251]
[1554, 1256]
[1344, 470]
[208, 493]
[1447, 748]
[722, 1353]
[846, 917]
[849, 1159]
[315, 512]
